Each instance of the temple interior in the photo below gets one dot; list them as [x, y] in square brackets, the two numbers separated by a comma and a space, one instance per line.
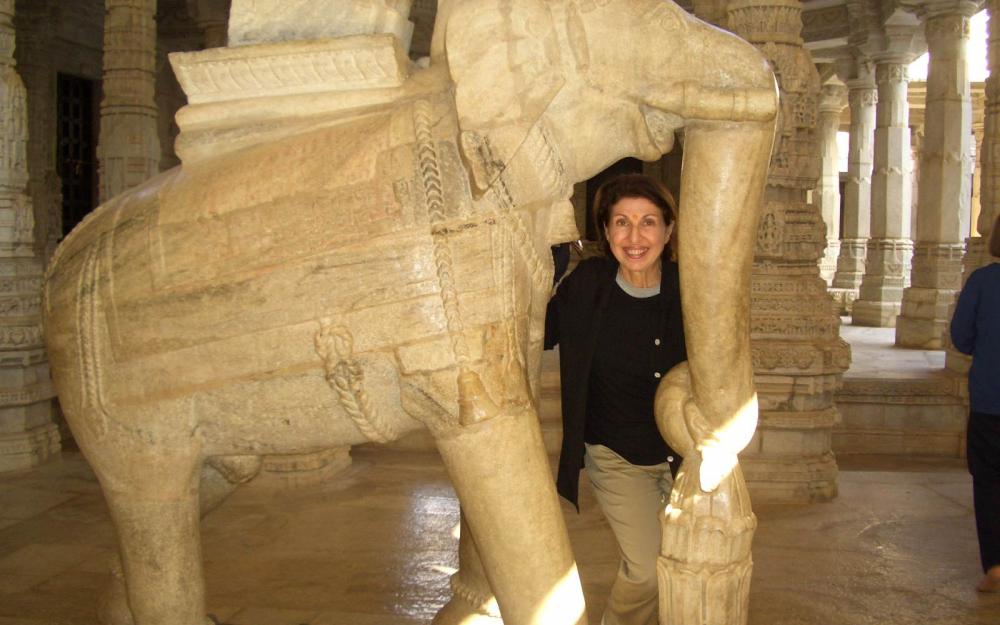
[881, 192]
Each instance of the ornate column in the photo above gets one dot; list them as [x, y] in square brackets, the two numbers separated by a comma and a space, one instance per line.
[832, 100]
[34, 61]
[857, 192]
[889, 247]
[943, 213]
[798, 355]
[989, 191]
[128, 150]
[976, 206]
[27, 434]
[976, 254]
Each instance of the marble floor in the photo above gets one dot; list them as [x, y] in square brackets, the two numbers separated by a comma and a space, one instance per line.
[873, 353]
[375, 546]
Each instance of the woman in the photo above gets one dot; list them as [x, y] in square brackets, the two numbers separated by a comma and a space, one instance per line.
[975, 330]
[617, 321]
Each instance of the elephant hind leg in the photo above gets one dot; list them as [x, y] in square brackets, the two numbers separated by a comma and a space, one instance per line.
[156, 515]
[219, 478]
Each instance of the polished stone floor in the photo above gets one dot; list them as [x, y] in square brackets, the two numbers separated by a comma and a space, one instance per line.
[874, 354]
[375, 546]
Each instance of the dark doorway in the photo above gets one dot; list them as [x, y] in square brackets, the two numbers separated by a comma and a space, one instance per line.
[76, 152]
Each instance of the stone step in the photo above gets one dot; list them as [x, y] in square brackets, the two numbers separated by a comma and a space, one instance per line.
[918, 414]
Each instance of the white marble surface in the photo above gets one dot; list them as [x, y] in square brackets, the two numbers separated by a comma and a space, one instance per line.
[873, 354]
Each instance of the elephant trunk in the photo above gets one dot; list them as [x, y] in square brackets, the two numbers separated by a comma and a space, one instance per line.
[723, 173]
[693, 101]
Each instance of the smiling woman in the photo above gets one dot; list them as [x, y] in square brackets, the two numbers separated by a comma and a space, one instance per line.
[637, 234]
[617, 321]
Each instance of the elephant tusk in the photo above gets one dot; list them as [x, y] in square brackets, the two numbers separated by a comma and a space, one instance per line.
[474, 403]
[690, 100]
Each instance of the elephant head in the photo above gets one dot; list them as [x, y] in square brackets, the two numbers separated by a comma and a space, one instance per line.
[550, 93]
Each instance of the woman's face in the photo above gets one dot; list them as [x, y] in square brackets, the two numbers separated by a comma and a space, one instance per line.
[637, 233]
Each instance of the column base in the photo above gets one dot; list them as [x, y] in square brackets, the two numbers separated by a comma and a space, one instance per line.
[924, 317]
[24, 450]
[881, 292]
[850, 264]
[308, 469]
[843, 300]
[828, 262]
[791, 479]
[789, 459]
[875, 314]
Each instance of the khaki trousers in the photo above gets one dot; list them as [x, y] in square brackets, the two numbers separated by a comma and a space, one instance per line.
[632, 498]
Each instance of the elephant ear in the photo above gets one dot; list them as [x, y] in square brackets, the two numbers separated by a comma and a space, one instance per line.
[503, 56]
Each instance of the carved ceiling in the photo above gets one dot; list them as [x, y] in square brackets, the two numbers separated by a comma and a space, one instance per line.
[843, 32]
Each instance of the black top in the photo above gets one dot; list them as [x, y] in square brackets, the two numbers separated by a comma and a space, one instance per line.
[574, 320]
[623, 380]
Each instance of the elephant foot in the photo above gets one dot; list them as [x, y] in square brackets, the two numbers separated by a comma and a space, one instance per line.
[112, 605]
[472, 601]
[459, 612]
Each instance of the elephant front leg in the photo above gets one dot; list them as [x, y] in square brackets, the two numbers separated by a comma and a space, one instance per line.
[498, 465]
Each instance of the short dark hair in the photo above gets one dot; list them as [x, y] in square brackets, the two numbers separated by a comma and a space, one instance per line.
[995, 237]
[633, 186]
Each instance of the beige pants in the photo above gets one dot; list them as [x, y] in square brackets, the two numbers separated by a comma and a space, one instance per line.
[632, 498]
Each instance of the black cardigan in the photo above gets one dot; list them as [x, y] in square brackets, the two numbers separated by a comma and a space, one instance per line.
[573, 321]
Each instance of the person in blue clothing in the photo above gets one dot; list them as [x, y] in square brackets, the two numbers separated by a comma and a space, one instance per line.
[617, 322]
[975, 330]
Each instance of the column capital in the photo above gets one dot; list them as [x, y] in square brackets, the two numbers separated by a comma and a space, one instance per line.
[946, 8]
[892, 71]
[902, 39]
[862, 93]
[862, 71]
[833, 98]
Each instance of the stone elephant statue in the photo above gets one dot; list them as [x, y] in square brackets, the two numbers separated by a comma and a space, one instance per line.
[356, 247]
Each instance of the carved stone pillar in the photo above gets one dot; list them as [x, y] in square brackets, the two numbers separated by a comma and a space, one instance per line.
[889, 248]
[798, 355]
[976, 254]
[128, 150]
[832, 101]
[27, 434]
[916, 142]
[34, 41]
[942, 221]
[857, 192]
[976, 206]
